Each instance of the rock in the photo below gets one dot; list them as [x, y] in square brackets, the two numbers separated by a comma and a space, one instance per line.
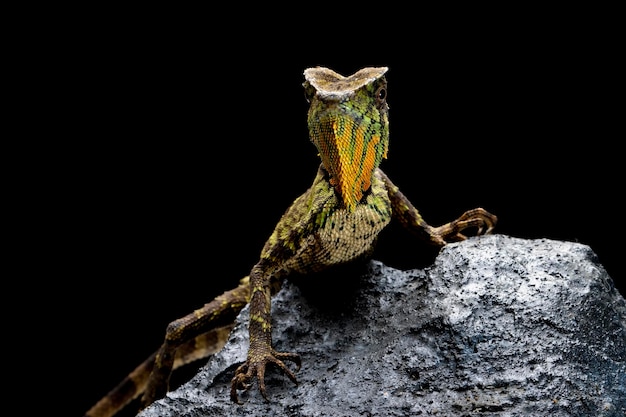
[497, 326]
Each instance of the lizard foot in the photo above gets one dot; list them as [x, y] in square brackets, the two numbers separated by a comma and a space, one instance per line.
[478, 217]
[255, 366]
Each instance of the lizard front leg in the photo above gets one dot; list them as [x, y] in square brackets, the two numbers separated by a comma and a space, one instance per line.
[260, 352]
[410, 218]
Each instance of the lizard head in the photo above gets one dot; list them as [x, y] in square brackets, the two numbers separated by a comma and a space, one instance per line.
[348, 123]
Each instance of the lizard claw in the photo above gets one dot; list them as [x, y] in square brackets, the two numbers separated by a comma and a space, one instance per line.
[478, 217]
[255, 367]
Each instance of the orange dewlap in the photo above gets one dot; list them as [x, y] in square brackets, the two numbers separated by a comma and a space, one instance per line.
[353, 161]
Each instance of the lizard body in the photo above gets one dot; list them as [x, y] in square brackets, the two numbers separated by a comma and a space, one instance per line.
[336, 221]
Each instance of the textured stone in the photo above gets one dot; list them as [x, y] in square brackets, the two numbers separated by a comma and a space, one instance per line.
[497, 326]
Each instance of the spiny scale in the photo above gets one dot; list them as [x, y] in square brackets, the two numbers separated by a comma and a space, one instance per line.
[329, 83]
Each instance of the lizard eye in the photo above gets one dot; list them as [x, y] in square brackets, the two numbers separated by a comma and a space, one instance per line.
[381, 94]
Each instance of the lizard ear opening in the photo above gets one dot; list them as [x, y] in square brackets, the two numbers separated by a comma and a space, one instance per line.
[309, 91]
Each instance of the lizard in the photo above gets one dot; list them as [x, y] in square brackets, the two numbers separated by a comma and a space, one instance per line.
[336, 221]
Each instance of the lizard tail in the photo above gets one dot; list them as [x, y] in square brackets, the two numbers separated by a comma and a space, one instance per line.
[134, 384]
[126, 391]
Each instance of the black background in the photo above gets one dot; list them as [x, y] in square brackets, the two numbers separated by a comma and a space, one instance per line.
[179, 153]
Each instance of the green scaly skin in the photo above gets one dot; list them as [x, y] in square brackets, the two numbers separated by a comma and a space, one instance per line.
[336, 221]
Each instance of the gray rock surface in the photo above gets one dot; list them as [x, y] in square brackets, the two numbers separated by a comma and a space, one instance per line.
[497, 326]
